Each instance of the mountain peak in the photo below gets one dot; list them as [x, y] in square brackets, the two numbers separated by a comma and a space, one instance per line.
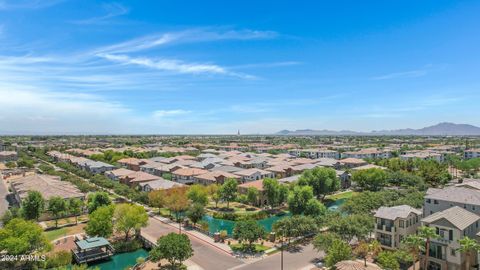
[440, 129]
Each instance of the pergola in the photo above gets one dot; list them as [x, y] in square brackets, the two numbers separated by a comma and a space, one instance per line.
[92, 249]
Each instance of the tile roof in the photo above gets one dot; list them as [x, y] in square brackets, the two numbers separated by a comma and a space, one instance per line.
[458, 216]
[399, 211]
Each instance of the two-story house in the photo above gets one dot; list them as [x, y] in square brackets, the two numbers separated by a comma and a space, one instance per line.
[395, 223]
[451, 225]
[438, 200]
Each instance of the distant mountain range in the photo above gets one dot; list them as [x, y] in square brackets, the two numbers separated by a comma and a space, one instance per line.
[441, 129]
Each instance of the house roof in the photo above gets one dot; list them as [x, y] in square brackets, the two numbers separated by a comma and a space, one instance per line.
[368, 166]
[457, 216]
[399, 211]
[120, 172]
[141, 177]
[93, 242]
[189, 171]
[161, 184]
[48, 185]
[455, 194]
[355, 265]
[258, 184]
[352, 161]
[289, 179]
[213, 175]
[249, 172]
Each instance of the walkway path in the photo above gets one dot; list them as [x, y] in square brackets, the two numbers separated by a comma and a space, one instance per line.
[205, 255]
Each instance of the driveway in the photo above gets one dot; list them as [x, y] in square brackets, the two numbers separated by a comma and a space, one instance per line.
[204, 255]
[298, 259]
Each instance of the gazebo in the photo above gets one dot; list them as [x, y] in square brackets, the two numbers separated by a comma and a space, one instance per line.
[355, 265]
[92, 249]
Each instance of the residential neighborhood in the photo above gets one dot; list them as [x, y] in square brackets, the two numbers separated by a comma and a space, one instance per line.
[386, 202]
[239, 135]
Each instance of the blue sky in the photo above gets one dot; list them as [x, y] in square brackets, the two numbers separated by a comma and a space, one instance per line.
[204, 67]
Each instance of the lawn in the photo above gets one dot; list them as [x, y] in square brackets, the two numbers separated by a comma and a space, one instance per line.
[342, 195]
[64, 221]
[57, 233]
[241, 247]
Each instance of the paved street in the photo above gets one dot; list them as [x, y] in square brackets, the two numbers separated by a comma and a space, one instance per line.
[205, 256]
[297, 260]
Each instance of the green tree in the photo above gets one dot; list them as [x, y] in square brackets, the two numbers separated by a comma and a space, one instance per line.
[195, 213]
[364, 249]
[337, 252]
[175, 248]
[100, 222]
[352, 226]
[10, 164]
[98, 199]
[75, 207]
[315, 208]
[388, 261]
[324, 240]
[323, 181]
[22, 237]
[294, 226]
[413, 244]
[370, 179]
[271, 189]
[129, 217]
[252, 196]
[282, 194]
[427, 233]
[248, 230]
[33, 205]
[58, 207]
[468, 247]
[228, 191]
[198, 194]
[10, 214]
[298, 199]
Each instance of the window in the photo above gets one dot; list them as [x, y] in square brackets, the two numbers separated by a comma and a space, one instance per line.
[473, 207]
[402, 224]
[429, 201]
[435, 202]
[452, 252]
[465, 206]
[450, 235]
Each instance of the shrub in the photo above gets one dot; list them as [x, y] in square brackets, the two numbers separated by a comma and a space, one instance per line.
[122, 246]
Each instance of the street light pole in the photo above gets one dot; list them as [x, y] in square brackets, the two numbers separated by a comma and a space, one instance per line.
[281, 254]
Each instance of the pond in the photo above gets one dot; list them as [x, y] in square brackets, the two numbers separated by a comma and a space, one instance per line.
[217, 225]
[121, 261]
[335, 205]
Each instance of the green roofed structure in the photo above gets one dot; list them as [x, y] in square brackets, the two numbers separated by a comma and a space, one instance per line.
[92, 249]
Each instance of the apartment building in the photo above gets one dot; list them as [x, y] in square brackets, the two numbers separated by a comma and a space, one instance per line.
[451, 225]
[315, 153]
[395, 223]
[372, 153]
[463, 196]
[472, 153]
[8, 156]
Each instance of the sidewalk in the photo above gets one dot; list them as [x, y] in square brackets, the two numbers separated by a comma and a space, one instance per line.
[198, 235]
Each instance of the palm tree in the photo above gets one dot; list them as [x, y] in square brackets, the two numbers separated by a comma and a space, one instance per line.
[427, 233]
[467, 245]
[413, 244]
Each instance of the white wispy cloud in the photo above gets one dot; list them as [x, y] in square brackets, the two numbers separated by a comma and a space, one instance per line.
[169, 113]
[173, 65]
[404, 74]
[27, 4]
[112, 10]
[186, 36]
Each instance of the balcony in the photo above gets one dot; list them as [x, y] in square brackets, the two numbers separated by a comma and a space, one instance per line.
[385, 228]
